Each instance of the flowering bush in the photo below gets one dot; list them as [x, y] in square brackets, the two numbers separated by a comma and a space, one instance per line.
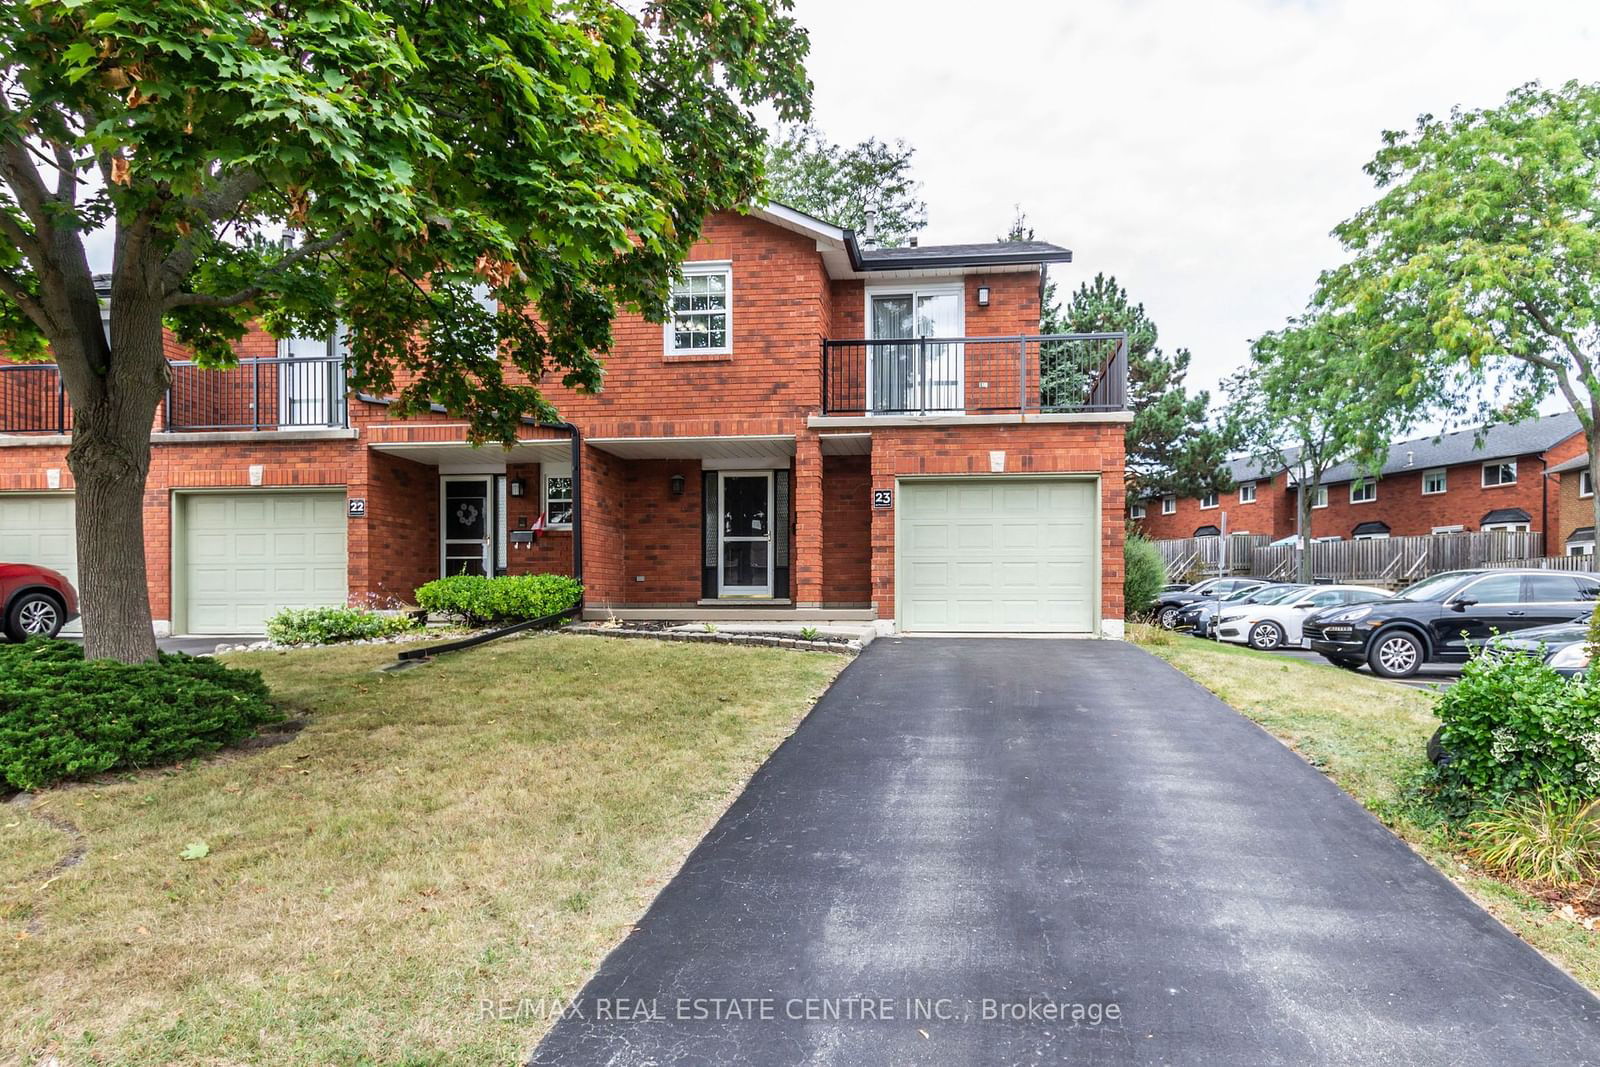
[321, 626]
[1513, 725]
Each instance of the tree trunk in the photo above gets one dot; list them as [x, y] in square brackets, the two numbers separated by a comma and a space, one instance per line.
[1593, 440]
[113, 413]
[1303, 507]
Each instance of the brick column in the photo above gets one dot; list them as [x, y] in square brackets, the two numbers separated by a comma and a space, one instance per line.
[808, 531]
[886, 451]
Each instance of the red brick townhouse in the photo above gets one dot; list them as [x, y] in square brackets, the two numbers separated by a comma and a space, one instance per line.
[822, 430]
[1574, 494]
[1432, 485]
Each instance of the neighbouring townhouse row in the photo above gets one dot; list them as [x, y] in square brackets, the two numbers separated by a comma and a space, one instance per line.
[821, 430]
[1521, 476]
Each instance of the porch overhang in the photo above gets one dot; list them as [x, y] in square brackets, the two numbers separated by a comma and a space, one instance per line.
[752, 449]
[491, 457]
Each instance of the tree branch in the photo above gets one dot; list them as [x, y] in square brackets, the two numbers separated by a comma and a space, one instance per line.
[249, 293]
[12, 230]
[1585, 368]
[17, 167]
[13, 287]
[221, 203]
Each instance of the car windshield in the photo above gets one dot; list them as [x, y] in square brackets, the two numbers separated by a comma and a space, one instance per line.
[1279, 593]
[1247, 593]
[1435, 588]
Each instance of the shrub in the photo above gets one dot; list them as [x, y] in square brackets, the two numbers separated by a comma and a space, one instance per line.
[1144, 573]
[320, 626]
[62, 716]
[477, 600]
[1550, 840]
[1512, 725]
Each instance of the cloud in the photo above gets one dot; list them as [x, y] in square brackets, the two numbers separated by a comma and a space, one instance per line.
[1200, 152]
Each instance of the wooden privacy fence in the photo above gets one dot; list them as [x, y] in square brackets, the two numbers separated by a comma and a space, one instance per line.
[1399, 560]
[1557, 563]
[1209, 555]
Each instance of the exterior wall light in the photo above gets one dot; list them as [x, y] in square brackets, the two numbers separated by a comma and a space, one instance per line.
[677, 484]
[517, 487]
[983, 296]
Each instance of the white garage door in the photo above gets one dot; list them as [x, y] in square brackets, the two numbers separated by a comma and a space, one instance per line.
[997, 555]
[38, 529]
[248, 555]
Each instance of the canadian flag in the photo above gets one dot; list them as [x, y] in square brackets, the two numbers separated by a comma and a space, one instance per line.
[538, 526]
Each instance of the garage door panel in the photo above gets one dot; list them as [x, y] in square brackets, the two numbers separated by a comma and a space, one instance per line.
[998, 555]
[39, 529]
[250, 555]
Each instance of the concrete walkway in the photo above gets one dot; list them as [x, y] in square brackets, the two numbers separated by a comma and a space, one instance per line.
[992, 852]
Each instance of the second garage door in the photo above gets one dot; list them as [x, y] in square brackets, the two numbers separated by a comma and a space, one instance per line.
[248, 555]
[38, 528]
[997, 555]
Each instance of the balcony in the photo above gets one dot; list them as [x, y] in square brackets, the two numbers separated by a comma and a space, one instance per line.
[258, 394]
[1053, 373]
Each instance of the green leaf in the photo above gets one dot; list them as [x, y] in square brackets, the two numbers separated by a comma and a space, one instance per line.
[195, 850]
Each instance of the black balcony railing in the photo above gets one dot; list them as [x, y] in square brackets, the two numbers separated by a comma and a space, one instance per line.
[258, 394]
[976, 375]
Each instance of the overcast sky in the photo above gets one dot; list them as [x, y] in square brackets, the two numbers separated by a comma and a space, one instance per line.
[1200, 152]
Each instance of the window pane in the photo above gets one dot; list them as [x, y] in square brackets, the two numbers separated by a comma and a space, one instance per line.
[1501, 589]
[1552, 587]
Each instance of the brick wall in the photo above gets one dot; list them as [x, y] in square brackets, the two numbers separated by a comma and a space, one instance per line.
[846, 529]
[1573, 512]
[1059, 448]
[395, 548]
[605, 523]
[1272, 513]
[663, 532]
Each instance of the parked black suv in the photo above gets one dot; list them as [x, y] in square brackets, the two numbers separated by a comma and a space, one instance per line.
[1442, 619]
[1167, 605]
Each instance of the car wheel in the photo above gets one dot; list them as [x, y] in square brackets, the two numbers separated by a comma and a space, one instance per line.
[34, 615]
[1266, 636]
[1167, 617]
[1395, 655]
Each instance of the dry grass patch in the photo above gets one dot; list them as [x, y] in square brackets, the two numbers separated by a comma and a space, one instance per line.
[1370, 737]
[483, 828]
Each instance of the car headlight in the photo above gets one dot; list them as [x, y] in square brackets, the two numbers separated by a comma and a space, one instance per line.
[1572, 657]
[1349, 616]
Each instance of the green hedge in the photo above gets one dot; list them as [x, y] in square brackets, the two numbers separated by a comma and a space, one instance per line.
[321, 626]
[1513, 725]
[1144, 573]
[62, 716]
[476, 600]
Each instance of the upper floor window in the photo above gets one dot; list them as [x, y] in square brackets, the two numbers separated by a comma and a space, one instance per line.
[1208, 499]
[557, 495]
[1169, 505]
[1319, 497]
[1135, 511]
[1585, 483]
[702, 311]
[1247, 492]
[1503, 472]
[1364, 491]
[1433, 482]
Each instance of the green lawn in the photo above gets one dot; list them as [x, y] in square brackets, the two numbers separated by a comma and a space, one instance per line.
[482, 828]
[1368, 735]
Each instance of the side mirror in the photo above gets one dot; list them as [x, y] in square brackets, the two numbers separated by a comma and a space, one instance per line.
[1462, 603]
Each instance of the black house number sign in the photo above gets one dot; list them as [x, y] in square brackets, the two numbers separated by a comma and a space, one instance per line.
[358, 507]
[882, 498]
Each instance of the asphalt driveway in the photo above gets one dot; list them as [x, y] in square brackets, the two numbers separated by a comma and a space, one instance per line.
[1042, 851]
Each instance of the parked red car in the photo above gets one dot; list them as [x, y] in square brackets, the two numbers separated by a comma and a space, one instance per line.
[37, 601]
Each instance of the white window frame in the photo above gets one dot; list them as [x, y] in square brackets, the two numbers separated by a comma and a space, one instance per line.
[1135, 511]
[1507, 527]
[1585, 485]
[1370, 537]
[1169, 505]
[1363, 484]
[1247, 492]
[1580, 548]
[957, 289]
[1455, 529]
[1511, 463]
[701, 269]
[1444, 481]
[1319, 496]
[1211, 495]
[546, 472]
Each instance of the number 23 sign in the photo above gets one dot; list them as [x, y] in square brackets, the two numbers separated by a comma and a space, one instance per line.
[882, 498]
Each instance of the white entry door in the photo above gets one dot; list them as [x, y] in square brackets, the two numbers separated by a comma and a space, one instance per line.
[745, 539]
[997, 555]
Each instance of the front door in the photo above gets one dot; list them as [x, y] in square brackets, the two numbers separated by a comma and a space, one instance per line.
[466, 525]
[745, 555]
